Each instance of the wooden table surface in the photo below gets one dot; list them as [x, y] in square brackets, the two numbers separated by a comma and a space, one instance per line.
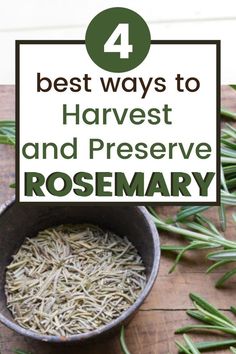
[152, 329]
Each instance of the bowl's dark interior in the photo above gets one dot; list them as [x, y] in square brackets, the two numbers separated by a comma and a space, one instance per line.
[20, 221]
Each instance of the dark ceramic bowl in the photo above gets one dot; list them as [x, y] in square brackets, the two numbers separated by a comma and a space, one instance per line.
[18, 221]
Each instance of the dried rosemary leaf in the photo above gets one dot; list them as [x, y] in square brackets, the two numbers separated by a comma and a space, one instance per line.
[73, 279]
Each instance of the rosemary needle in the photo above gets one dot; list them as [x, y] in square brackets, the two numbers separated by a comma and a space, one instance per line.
[7, 132]
[227, 114]
[211, 318]
[122, 341]
[212, 345]
[190, 347]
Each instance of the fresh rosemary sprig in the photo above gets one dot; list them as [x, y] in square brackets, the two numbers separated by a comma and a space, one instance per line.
[123, 345]
[212, 320]
[200, 233]
[185, 212]
[212, 345]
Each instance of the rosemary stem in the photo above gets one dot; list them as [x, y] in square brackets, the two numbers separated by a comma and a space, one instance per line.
[194, 235]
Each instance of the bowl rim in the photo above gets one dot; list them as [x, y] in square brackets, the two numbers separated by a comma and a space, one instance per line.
[116, 323]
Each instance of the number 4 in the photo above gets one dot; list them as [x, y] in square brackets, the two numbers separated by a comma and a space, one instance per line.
[124, 48]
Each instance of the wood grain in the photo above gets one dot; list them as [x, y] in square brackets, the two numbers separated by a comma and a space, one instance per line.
[152, 330]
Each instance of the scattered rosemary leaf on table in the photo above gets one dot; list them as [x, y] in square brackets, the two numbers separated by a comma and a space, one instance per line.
[122, 341]
[189, 347]
[212, 345]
